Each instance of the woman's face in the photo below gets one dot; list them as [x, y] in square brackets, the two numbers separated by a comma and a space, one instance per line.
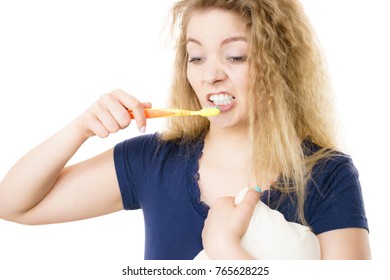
[217, 64]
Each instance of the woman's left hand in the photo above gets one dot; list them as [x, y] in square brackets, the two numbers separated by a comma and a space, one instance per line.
[226, 224]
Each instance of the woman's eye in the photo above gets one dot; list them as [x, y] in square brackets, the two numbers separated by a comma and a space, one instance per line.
[195, 60]
[237, 59]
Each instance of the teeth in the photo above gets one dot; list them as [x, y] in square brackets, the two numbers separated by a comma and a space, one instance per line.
[221, 99]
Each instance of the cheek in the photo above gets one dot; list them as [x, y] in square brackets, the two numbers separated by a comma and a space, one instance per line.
[240, 82]
[192, 78]
[242, 79]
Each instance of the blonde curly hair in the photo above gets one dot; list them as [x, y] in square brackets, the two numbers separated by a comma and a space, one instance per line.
[289, 94]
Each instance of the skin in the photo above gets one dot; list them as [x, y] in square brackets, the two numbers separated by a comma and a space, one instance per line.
[88, 189]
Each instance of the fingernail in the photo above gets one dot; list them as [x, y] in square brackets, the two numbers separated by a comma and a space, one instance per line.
[142, 129]
[257, 188]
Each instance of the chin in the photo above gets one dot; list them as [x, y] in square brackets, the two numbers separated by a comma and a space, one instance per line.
[225, 123]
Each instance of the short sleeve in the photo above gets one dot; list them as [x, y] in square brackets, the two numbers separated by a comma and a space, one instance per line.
[130, 159]
[335, 197]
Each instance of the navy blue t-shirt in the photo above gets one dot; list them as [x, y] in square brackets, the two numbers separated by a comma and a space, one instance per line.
[161, 178]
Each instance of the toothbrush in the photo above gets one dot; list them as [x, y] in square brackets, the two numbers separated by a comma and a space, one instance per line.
[157, 113]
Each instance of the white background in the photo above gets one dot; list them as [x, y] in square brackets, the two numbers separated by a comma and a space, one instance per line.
[58, 57]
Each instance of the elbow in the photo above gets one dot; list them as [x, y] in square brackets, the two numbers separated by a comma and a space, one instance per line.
[18, 218]
[12, 214]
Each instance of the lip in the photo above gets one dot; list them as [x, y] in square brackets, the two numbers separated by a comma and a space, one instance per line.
[224, 108]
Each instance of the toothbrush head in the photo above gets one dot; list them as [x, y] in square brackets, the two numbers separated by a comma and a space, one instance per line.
[210, 111]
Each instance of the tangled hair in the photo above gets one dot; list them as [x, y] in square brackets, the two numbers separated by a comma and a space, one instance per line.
[289, 97]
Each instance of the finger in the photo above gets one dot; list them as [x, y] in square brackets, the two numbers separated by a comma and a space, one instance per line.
[97, 128]
[249, 202]
[146, 105]
[108, 121]
[136, 106]
[117, 110]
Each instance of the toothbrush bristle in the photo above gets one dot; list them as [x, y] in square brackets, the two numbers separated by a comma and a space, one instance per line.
[210, 111]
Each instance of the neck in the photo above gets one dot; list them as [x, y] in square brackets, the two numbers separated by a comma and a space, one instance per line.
[228, 145]
[233, 146]
[225, 138]
[229, 149]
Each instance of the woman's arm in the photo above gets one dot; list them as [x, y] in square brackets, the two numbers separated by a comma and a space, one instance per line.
[39, 189]
[348, 244]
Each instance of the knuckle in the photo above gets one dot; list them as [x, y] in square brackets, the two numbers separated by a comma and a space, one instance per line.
[89, 117]
[99, 105]
[105, 98]
[117, 92]
[220, 201]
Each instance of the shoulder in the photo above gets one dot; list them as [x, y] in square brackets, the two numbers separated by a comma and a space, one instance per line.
[148, 141]
[334, 172]
[144, 145]
[135, 154]
[334, 195]
[331, 165]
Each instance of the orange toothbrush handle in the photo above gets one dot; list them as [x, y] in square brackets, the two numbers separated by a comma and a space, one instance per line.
[154, 113]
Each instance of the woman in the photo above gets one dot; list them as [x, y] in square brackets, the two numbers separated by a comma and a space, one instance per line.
[258, 62]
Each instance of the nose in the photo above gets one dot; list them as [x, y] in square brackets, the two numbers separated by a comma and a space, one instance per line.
[213, 73]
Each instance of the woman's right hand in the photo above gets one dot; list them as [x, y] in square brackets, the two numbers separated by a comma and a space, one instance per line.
[109, 114]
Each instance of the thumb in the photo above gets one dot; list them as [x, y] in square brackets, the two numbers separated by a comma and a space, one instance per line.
[250, 200]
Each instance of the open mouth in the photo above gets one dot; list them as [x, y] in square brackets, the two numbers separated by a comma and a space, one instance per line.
[221, 99]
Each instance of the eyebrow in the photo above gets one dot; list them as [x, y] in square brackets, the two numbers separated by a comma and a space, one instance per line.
[224, 41]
